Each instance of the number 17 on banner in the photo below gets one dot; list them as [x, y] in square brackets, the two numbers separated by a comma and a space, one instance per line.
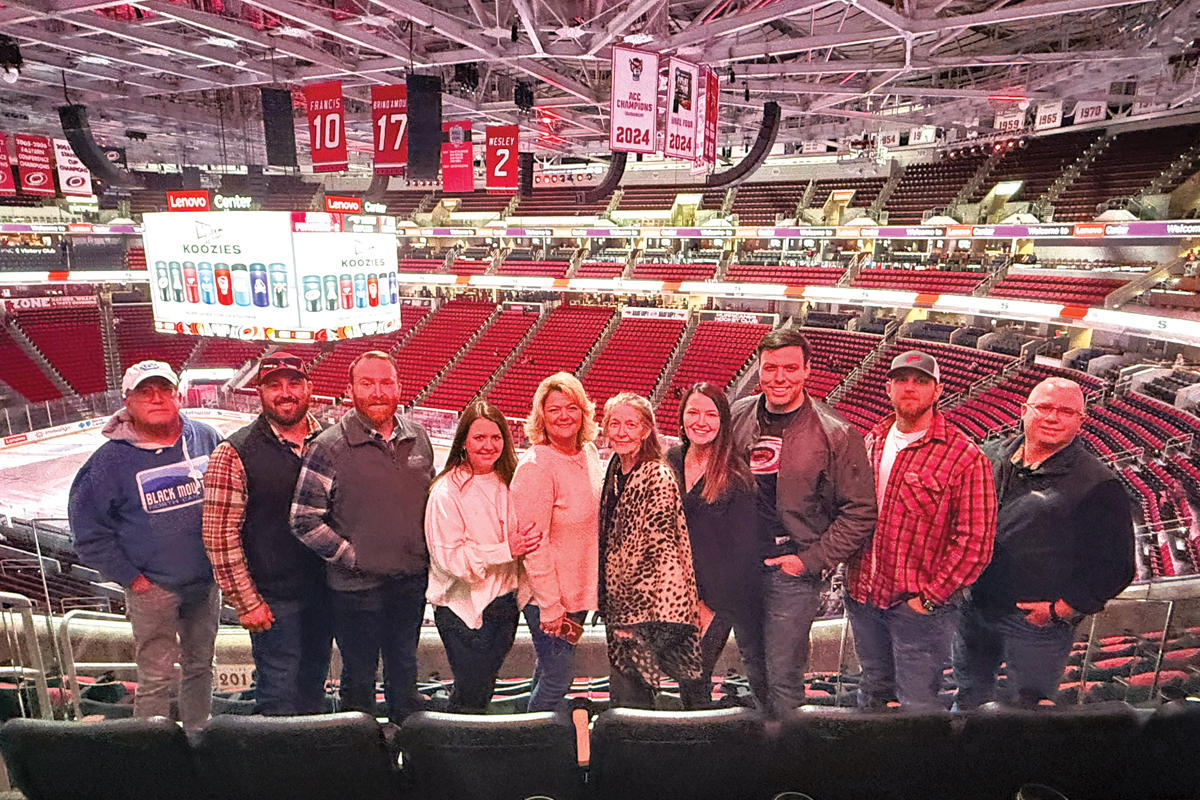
[389, 127]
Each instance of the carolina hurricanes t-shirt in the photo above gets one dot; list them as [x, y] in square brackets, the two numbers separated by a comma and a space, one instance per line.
[765, 456]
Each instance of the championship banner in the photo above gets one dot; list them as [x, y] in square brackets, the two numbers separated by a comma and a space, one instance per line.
[1009, 121]
[458, 171]
[500, 158]
[1090, 111]
[682, 90]
[73, 177]
[633, 123]
[326, 126]
[389, 128]
[6, 177]
[712, 108]
[1048, 116]
[33, 162]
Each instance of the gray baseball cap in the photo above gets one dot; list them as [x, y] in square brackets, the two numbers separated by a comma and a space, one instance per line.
[915, 359]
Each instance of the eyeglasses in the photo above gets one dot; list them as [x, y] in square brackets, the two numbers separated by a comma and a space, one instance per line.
[1046, 409]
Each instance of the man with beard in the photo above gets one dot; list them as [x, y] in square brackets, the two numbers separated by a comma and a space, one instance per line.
[360, 505]
[1064, 548]
[937, 521]
[274, 583]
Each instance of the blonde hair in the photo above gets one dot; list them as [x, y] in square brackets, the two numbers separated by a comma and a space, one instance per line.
[568, 384]
[651, 449]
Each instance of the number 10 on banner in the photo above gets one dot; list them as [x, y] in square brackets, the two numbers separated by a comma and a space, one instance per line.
[326, 126]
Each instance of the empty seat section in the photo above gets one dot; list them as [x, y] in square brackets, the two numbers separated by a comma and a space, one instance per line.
[402, 204]
[217, 352]
[556, 202]
[715, 354]
[1037, 165]
[674, 272]
[430, 349]
[653, 197]
[600, 269]
[482, 202]
[1050, 288]
[545, 269]
[422, 265]
[479, 364]
[790, 275]
[23, 375]
[137, 340]
[70, 340]
[561, 344]
[834, 354]
[466, 266]
[929, 186]
[633, 359]
[865, 191]
[766, 203]
[913, 280]
[331, 374]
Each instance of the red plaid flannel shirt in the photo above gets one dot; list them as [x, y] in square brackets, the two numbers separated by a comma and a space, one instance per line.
[937, 521]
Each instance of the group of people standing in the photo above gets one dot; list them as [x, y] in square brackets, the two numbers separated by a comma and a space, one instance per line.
[345, 532]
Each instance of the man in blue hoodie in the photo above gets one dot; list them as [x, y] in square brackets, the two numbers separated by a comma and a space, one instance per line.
[134, 510]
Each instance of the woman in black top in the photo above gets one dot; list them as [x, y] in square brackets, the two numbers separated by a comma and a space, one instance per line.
[718, 502]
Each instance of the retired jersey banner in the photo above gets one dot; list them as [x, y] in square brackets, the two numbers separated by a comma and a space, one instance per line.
[633, 117]
[458, 169]
[73, 177]
[326, 126]
[683, 91]
[500, 157]
[389, 128]
[6, 177]
[33, 162]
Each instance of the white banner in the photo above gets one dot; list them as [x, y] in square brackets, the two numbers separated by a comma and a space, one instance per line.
[808, 148]
[1009, 121]
[683, 97]
[1090, 111]
[1049, 115]
[633, 122]
[926, 134]
[889, 139]
[73, 176]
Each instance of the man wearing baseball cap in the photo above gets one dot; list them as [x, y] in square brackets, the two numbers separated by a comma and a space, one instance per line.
[134, 510]
[937, 522]
[274, 583]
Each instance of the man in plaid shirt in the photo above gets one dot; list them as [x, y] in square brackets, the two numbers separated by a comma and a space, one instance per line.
[274, 583]
[937, 523]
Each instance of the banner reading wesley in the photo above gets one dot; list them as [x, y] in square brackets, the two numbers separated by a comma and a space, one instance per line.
[326, 126]
[348, 283]
[6, 178]
[682, 100]
[33, 162]
[389, 128]
[458, 169]
[500, 157]
[73, 177]
[230, 272]
[634, 112]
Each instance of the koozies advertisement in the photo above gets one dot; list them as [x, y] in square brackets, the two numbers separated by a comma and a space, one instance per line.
[248, 275]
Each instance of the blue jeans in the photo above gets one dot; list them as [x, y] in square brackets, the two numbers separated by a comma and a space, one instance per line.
[555, 667]
[387, 620]
[790, 603]
[291, 658]
[476, 654]
[1035, 658]
[903, 654]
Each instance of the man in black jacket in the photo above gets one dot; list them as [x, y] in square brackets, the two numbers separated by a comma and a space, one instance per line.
[274, 583]
[1064, 548]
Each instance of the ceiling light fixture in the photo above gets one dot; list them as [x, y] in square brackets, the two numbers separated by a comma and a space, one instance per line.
[638, 38]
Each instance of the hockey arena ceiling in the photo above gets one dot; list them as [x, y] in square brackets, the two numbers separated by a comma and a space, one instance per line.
[186, 72]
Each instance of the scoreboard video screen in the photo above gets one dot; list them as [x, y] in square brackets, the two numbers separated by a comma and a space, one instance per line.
[283, 275]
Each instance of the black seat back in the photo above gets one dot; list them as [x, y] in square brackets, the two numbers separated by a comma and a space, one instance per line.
[688, 755]
[1167, 762]
[325, 757]
[126, 759]
[489, 757]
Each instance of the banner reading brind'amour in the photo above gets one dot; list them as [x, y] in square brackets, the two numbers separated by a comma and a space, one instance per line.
[326, 126]
[389, 128]
[634, 111]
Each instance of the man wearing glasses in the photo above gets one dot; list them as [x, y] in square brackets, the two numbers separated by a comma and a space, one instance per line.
[1064, 547]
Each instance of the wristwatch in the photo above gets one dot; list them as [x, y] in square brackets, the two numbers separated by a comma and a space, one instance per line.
[928, 604]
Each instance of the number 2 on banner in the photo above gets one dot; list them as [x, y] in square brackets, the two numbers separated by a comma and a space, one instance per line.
[401, 123]
[501, 169]
[331, 125]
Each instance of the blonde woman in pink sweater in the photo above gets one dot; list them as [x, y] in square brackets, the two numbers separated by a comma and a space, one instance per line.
[557, 488]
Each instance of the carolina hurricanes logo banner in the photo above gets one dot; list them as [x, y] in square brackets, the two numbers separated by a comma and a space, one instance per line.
[326, 126]
[389, 128]
[633, 115]
[33, 162]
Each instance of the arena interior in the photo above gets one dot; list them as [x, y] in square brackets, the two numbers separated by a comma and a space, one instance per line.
[1012, 187]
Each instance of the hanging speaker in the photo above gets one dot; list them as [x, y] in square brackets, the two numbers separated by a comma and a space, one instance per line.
[616, 170]
[757, 154]
[378, 187]
[424, 127]
[79, 135]
[525, 174]
[278, 129]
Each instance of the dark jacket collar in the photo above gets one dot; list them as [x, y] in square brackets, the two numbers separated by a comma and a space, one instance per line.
[1061, 462]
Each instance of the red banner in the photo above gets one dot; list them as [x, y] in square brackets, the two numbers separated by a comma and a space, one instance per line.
[712, 96]
[33, 162]
[6, 177]
[326, 126]
[458, 172]
[389, 128]
[501, 157]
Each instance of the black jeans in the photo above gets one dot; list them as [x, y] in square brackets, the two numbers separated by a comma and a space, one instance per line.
[749, 636]
[476, 655]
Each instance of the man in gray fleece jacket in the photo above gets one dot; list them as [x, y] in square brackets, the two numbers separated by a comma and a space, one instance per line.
[360, 505]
